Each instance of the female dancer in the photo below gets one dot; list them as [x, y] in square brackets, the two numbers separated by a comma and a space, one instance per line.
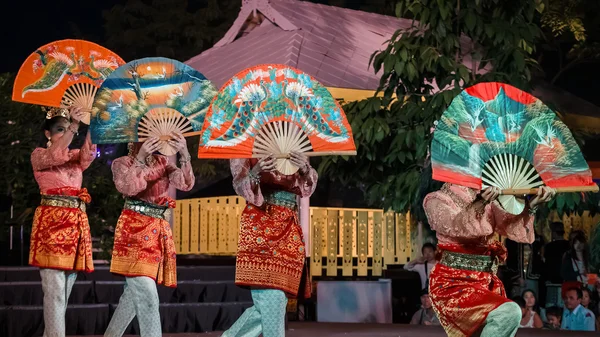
[465, 291]
[60, 238]
[143, 250]
[270, 258]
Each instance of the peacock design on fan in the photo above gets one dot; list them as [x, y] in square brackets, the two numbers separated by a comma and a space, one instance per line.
[266, 93]
[274, 110]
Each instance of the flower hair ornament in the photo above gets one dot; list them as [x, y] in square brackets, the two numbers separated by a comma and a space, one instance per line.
[52, 112]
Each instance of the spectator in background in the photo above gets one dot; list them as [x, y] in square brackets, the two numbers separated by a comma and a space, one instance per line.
[576, 317]
[423, 264]
[553, 253]
[531, 318]
[589, 302]
[554, 316]
[425, 315]
[575, 264]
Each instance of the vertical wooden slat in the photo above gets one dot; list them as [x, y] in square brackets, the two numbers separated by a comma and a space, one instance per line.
[177, 226]
[390, 242]
[213, 223]
[223, 226]
[203, 227]
[362, 242]
[185, 228]
[378, 223]
[317, 218]
[234, 228]
[195, 226]
[402, 249]
[348, 238]
[332, 241]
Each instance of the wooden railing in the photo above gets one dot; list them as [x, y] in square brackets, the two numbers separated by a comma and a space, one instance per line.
[357, 242]
[366, 240]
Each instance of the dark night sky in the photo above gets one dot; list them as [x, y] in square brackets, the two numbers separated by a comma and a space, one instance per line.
[31, 24]
[27, 25]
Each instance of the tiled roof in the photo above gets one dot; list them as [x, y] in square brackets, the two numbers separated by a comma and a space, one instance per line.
[329, 43]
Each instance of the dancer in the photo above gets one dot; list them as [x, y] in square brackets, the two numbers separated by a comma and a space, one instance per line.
[270, 258]
[144, 251]
[60, 238]
[467, 295]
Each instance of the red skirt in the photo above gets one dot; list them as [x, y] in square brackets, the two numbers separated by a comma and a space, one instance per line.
[271, 250]
[462, 299]
[60, 236]
[144, 247]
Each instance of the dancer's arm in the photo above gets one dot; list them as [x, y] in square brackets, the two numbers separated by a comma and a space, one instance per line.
[87, 154]
[520, 228]
[246, 178]
[183, 177]
[306, 180]
[129, 176]
[458, 216]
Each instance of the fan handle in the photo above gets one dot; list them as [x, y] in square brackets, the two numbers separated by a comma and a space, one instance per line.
[513, 191]
[312, 154]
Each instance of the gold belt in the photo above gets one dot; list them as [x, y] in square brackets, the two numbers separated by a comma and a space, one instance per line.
[62, 201]
[147, 209]
[481, 263]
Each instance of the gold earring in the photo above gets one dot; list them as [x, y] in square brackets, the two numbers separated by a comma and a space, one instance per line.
[49, 143]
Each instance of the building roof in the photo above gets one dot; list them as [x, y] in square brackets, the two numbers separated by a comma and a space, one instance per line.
[332, 44]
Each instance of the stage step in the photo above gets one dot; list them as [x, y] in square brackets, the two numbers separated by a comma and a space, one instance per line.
[109, 292]
[102, 273]
[92, 319]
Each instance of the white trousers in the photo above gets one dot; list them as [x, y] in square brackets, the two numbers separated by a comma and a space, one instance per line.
[56, 285]
[140, 298]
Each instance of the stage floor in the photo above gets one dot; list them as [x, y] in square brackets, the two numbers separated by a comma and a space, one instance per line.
[312, 329]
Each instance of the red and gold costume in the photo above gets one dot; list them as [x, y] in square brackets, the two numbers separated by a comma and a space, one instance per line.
[463, 286]
[60, 237]
[270, 258]
[271, 246]
[143, 243]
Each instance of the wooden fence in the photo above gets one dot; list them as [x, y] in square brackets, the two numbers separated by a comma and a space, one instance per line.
[364, 239]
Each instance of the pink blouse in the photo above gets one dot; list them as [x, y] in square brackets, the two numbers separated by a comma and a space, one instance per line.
[456, 220]
[305, 185]
[151, 183]
[56, 167]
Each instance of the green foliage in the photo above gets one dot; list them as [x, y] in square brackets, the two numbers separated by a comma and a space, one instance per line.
[571, 33]
[392, 132]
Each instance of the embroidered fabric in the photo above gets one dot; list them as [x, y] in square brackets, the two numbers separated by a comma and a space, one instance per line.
[245, 186]
[457, 217]
[56, 167]
[151, 183]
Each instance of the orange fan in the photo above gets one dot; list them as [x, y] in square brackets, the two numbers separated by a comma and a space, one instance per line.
[274, 109]
[65, 73]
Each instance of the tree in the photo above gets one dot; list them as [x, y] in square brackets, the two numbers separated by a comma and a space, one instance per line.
[569, 34]
[422, 69]
[169, 28]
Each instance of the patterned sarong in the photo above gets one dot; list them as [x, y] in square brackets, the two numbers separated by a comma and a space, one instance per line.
[144, 243]
[60, 237]
[464, 292]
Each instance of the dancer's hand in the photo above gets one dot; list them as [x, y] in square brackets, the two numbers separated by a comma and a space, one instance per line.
[150, 146]
[178, 142]
[76, 116]
[265, 164]
[490, 194]
[300, 160]
[544, 195]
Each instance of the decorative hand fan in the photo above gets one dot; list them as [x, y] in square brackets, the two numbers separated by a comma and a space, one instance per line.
[150, 97]
[64, 73]
[274, 109]
[494, 134]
